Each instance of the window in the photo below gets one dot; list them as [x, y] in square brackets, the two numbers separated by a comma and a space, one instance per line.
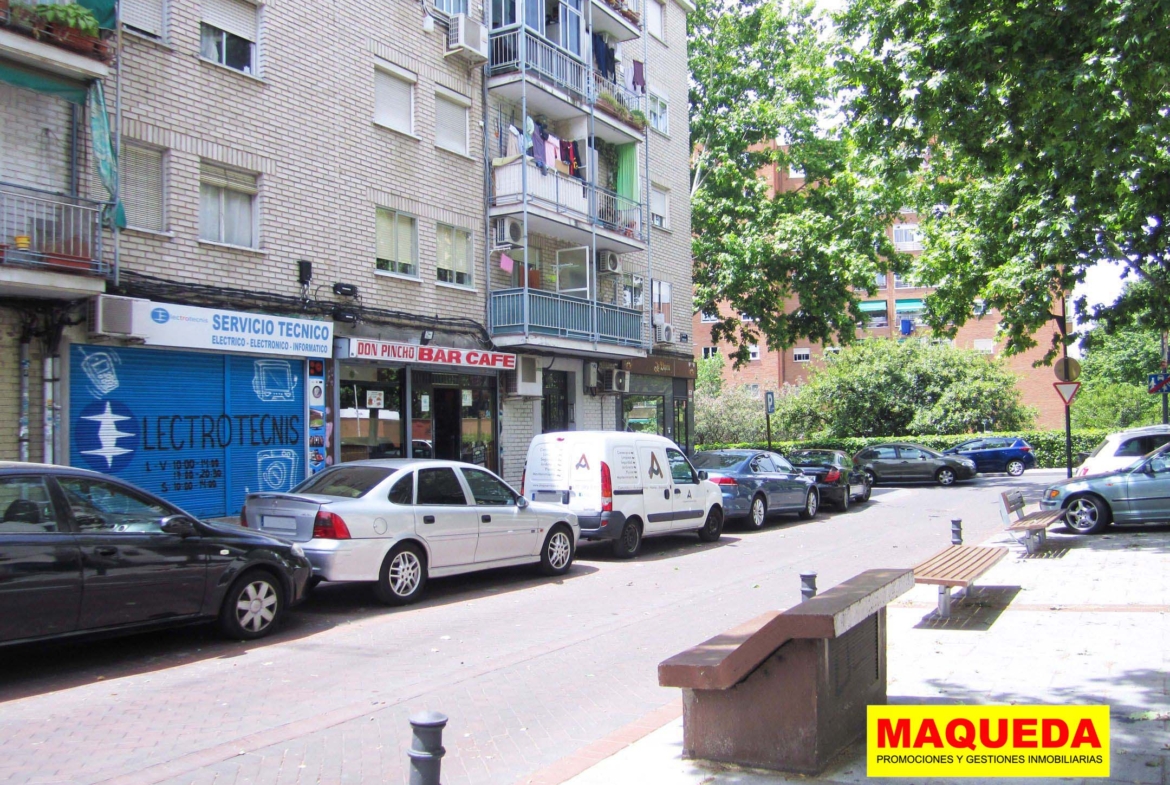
[913, 454]
[27, 506]
[781, 463]
[451, 7]
[832, 350]
[103, 506]
[903, 282]
[880, 453]
[633, 292]
[439, 486]
[753, 390]
[656, 19]
[451, 111]
[980, 308]
[142, 187]
[659, 207]
[984, 345]
[349, 482]
[907, 238]
[394, 99]
[660, 301]
[454, 255]
[488, 489]
[680, 468]
[397, 243]
[880, 281]
[753, 353]
[710, 351]
[144, 16]
[708, 318]
[801, 355]
[227, 206]
[403, 490]
[227, 34]
[762, 464]
[659, 114]
[878, 318]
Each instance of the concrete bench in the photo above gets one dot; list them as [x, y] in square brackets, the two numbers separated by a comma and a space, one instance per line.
[788, 690]
[956, 567]
[1034, 524]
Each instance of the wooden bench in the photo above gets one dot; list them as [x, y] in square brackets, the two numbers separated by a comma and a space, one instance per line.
[788, 690]
[1034, 524]
[956, 567]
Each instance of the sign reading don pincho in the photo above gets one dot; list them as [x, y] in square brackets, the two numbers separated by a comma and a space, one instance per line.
[389, 351]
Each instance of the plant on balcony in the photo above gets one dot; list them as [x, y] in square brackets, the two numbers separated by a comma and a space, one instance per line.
[632, 16]
[71, 25]
[638, 119]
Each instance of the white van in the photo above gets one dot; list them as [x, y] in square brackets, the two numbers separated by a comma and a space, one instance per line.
[623, 486]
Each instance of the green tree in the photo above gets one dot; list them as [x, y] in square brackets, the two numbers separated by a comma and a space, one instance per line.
[709, 376]
[734, 415]
[1113, 379]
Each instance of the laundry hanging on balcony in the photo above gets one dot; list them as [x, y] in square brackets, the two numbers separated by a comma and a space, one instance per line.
[105, 155]
[627, 171]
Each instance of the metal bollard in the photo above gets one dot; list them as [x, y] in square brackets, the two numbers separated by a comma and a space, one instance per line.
[808, 585]
[426, 748]
[956, 531]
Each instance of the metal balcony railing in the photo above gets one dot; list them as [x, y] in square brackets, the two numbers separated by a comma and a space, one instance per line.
[630, 10]
[540, 58]
[559, 315]
[606, 91]
[43, 229]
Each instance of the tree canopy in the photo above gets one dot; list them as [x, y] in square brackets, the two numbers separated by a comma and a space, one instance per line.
[1113, 379]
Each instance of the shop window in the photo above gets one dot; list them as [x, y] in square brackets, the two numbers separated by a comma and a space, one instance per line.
[371, 413]
[644, 413]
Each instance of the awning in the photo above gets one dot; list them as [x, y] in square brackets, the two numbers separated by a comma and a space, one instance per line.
[43, 82]
[873, 306]
[909, 306]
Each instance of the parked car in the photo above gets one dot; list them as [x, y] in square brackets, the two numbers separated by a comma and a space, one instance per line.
[838, 480]
[1139, 493]
[622, 486]
[912, 463]
[398, 522]
[754, 483]
[84, 553]
[1121, 449]
[1009, 454]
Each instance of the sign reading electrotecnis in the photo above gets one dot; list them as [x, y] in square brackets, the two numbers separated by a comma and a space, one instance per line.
[367, 349]
[191, 327]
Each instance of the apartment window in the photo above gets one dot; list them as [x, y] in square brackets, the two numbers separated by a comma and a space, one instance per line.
[708, 318]
[984, 345]
[659, 207]
[795, 171]
[753, 390]
[451, 111]
[980, 308]
[397, 243]
[451, 7]
[142, 187]
[659, 114]
[144, 16]
[907, 238]
[753, 353]
[832, 350]
[227, 206]
[903, 282]
[633, 292]
[394, 99]
[710, 351]
[660, 301]
[880, 281]
[228, 34]
[877, 319]
[656, 19]
[801, 355]
[454, 255]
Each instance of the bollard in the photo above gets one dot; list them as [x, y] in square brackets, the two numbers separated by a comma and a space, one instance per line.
[956, 531]
[426, 748]
[808, 585]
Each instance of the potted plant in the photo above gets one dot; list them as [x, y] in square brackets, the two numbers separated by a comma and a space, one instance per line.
[24, 17]
[74, 27]
[638, 119]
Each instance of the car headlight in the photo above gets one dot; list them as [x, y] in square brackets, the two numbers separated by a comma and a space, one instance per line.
[298, 551]
[1052, 493]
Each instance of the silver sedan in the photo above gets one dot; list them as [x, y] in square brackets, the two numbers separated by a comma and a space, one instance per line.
[399, 522]
[1139, 493]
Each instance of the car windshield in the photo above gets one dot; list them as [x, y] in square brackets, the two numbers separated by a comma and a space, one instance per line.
[717, 460]
[811, 458]
[349, 482]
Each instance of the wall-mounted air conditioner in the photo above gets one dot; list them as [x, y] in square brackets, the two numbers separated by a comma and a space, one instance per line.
[467, 39]
[663, 333]
[526, 381]
[114, 316]
[616, 381]
[609, 262]
[507, 233]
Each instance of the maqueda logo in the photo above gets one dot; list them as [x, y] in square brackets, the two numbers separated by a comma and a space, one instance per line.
[160, 315]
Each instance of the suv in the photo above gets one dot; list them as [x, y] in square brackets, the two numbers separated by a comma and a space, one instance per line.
[1009, 454]
[1123, 448]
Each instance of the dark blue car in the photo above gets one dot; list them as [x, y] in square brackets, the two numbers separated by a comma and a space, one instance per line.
[1009, 454]
[756, 483]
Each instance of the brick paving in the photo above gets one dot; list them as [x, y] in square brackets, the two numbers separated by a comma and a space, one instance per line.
[530, 671]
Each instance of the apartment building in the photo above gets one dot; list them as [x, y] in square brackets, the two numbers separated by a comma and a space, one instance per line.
[306, 266]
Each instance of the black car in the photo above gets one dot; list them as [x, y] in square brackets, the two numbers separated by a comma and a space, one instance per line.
[83, 553]
[838, 479]
[900, 462]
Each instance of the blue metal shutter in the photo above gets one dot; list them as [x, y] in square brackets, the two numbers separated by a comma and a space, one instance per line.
[266, 397]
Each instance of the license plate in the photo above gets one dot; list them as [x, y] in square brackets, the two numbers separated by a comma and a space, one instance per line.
[278, 522]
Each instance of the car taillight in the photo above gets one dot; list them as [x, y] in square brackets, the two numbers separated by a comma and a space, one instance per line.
[1026, 448]
[722, 481]
[606, 488]
[244, 517]
[833, 475]
[523, 475]
[329, 526]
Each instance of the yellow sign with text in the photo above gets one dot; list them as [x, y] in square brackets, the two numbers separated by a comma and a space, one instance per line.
[987, 741]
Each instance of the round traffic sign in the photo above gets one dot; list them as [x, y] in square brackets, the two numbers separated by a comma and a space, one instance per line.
[1067, 369]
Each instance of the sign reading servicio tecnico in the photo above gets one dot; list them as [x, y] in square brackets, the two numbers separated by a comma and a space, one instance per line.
[191, 327]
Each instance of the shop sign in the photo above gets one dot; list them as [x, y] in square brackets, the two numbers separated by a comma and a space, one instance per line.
[366, 349]
[190, 327]
[661, 366]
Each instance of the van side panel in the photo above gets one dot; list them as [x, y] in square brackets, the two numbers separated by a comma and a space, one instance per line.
[584, 464]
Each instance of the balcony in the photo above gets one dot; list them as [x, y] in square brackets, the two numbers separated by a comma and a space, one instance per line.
[560, 316]
[621, 19]
[50, 232]
[26, 38]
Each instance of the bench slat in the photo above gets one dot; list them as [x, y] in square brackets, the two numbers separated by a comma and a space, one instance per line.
[1036, 520]
[958, 565]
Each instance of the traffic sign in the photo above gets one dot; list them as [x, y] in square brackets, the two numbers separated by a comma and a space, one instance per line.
[1067, 391]
[1067, 369]
[1159, 383]
[770, 402]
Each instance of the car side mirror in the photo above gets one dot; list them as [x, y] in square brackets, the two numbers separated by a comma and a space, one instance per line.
[797, 470]
[703, 474]
[180, 525]
[521, 502]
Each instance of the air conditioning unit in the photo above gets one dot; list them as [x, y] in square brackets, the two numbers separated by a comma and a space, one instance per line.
[115, 316]
[508, 233]
[468, 39]
[616, 381]
[609, 262]
[526, 381]
[663, 333]
[592, 376]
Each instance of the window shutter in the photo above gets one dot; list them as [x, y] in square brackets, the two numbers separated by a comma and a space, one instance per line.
[654, 13]
[233, 16]
[658, 202]
[144, 15]
[385, 234]
[223, 177]
[450, 125]
[142, 187]
[405, 239]
[393, 102]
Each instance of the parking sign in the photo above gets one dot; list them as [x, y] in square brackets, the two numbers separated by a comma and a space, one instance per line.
[770, 402]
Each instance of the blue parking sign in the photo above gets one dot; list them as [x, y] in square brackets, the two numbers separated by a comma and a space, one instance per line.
[770, 402]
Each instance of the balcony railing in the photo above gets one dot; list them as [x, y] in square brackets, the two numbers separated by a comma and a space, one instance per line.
[562, 316]
[43, 229]
[541, 59]
[605, 90]
[630, 10]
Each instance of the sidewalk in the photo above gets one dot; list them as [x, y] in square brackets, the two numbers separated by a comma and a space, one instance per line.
[1086, 621]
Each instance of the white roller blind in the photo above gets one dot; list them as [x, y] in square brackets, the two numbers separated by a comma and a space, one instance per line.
[142, 187]
[450, 125]
[386, 248]
[393, 102]
[658, 203]
[144, 15]
[237, 17]
[213, 174]
[405, 239]
[654, 14]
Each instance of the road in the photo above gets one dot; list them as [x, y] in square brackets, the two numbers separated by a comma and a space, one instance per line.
[529, 670]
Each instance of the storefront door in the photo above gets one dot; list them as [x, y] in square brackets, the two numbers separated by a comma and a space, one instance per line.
[447, 420]
[554, 408]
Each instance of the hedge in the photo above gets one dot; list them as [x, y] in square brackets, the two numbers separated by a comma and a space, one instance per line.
[1047, 445]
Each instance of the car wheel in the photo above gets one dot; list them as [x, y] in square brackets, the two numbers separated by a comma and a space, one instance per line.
[629, 542]
[1015, 468]
[759, 513]
[253, 606]
[945, 476]
[713, 528]
[843, 505]
[403, 575]
[557, 554]
[1087, 515]
[811, 504]
[868, 492]
[872, 477]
